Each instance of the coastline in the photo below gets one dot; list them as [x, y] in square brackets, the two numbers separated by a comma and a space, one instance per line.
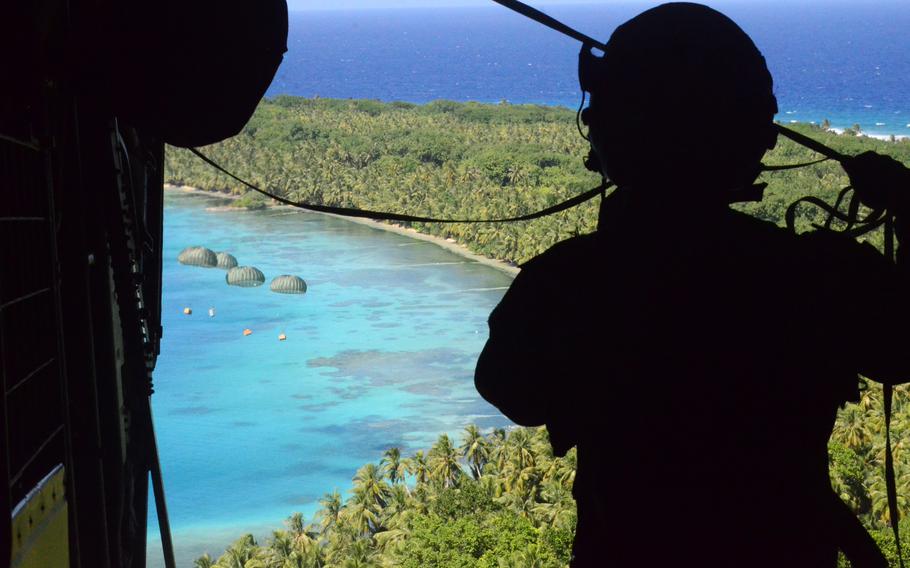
[884, 137]
[447, 244]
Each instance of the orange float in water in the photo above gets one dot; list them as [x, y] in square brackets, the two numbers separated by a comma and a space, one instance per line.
[187, 311]
[282, 337]
[247, 331]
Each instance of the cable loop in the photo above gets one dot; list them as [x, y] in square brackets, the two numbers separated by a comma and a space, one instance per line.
[855, 224]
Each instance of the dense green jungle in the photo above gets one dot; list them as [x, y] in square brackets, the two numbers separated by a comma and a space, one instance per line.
[497, 499]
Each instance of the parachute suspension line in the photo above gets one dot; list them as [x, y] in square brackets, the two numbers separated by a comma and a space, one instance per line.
[387, 216]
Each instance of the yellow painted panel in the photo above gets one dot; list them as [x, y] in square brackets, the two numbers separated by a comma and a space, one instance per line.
[40, 527]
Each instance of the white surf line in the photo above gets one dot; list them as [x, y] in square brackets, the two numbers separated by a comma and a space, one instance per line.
[493, 289]
[430, 264]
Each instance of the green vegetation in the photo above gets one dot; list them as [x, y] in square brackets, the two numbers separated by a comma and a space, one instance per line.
[448, 159]
[507, 502]
[496, 501]
[856, 454]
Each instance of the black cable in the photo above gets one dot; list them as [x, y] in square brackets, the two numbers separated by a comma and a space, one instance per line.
[389, 216]
[810, 143]
[550, 22]
[777, 168]
[386, 216]
[581, 107]
[888, 391]
[874, 220]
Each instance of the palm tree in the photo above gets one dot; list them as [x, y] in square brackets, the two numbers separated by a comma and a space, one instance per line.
[370, 488]
[498, 450]
[331, 510]
[239, 553]
[530, 557]
[340, 539]
[397, 509]
[881, 513]
[295, 523]
[557, 508]
[361, 555]
[444, 465]
[204, 561]
[851, 428]
[363, 518]
[301, 535]
[421, 499]
[491, 485]
[393, 466]
[280, 551]
[475, 450]
[387, 542]
[511, 561]
[419, 467]
[561, 469]
[520, 446]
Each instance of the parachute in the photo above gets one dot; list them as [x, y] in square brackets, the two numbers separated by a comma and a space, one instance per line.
[288, 284]
[198, 256]
[226, 260]
[245, 277]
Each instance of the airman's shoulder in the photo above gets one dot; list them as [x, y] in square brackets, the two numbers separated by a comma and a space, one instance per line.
[820, 244]
[568, 255]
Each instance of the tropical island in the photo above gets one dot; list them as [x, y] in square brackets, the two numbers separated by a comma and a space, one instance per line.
[497, 499]
[448, 159]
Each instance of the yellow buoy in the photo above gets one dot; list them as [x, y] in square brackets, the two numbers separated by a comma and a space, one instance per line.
[187, 311]
[247, 331]
[282, 337]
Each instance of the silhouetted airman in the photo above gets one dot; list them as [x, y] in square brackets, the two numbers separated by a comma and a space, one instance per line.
[696, 356]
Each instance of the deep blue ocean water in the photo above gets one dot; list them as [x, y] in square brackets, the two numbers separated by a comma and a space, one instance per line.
[841, 60]
[380, 351]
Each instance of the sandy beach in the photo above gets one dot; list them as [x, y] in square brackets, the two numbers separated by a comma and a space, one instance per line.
[885, 137]
[447, 244]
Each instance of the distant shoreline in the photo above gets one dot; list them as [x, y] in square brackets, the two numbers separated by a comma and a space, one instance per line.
[885, 137]
[449, 245]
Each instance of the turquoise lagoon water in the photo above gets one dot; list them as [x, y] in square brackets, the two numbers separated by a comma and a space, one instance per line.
[379, 353]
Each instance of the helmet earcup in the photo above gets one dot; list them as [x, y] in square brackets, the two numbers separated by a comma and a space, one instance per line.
[585, 116]
[590, 68]
[592, 162]
[772, 137]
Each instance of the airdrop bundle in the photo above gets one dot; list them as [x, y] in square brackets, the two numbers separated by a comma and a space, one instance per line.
[240, 276]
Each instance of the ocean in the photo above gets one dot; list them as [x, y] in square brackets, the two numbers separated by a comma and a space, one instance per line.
[380, 351]
[840, 60]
